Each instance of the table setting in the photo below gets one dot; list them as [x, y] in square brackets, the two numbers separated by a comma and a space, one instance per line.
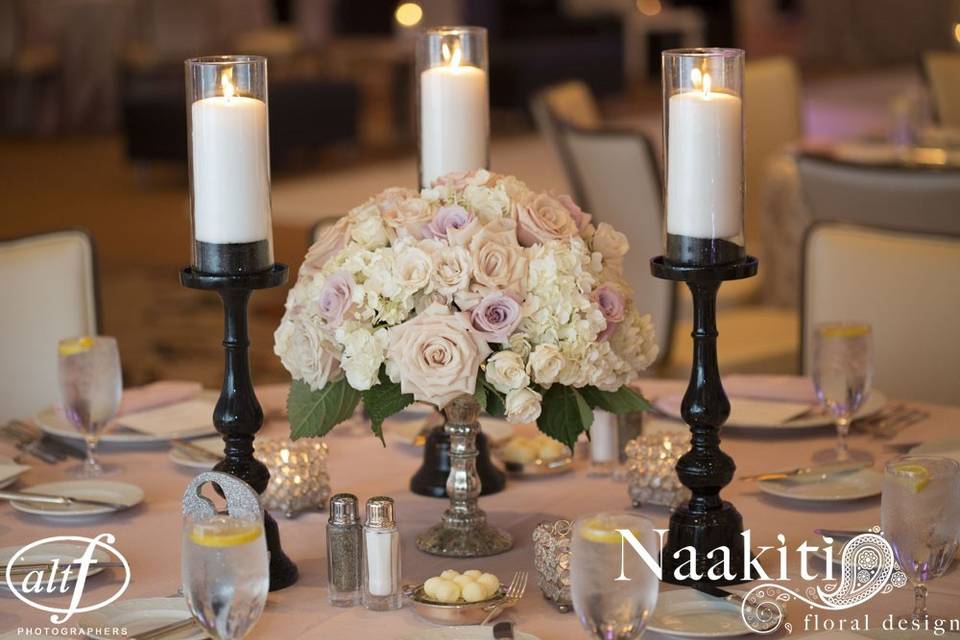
[478, 304]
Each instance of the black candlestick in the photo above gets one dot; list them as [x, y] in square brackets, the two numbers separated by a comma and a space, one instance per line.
[238, 415]
[706, 522]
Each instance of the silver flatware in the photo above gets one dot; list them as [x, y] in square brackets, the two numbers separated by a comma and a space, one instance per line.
[166, 630]
[840, 534]
[514, 592]
[27, 567]
[716, 592]
[34, 449]
[888, 429]
[503, 631]
[823, 471]
[195, 451]
[41, 498]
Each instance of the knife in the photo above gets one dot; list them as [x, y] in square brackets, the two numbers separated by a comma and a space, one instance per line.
[717, 592]
[823, 470]
[839, 534]
[41, 498]
[19, 569]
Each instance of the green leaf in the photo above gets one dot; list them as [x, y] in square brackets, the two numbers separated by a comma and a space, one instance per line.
[496, 405]
[382, 401]
[622, 401]
[314, 413]
[481, 393]
[565, 414]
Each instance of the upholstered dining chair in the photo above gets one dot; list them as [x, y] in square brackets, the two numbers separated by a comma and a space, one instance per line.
[616, 178]
[943, 74]
[771, 123]
[48, 287]
[910, 199]
[906, 285]
[571, 102]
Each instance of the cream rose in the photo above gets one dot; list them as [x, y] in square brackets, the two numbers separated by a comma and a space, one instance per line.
[609, 242]
[331, 241]
[523, 405]
[498, 261]
[305, 352]
[546, 363]
[410, 217]
[505, 371]
[436, 356]
[413, 268]
[541, 219]
[451, 270]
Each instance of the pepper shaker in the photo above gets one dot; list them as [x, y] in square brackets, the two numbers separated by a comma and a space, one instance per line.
[381, 552]
[344, 551]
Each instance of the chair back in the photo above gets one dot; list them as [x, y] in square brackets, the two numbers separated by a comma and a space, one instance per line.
[907, 286]
[943, 74]
[773, 118]
[906, 199]
[570, 102]
[48, 287]
[619, 183]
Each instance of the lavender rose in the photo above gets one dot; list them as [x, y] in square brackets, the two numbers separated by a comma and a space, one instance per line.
[612, 305]
[449, 217]
[496, 316]
[580, 217]
[336, 298]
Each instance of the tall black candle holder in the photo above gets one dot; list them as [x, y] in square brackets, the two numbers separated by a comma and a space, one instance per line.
[705, 522]
[238, 415]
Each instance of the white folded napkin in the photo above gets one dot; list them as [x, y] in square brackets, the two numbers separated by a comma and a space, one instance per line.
[744, 411]
[157, 394]
[192, 415]
[10, 469]
[771, 387]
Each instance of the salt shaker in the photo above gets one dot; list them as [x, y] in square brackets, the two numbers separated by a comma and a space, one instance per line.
[381, 556]
[344, 551]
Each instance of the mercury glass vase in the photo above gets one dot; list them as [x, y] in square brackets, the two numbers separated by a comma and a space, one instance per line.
[463, 530]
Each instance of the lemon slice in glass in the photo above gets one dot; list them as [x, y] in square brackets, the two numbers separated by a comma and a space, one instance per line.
[844, 330]
[74, 346]
[915, 476]
[222, 532]
[603, 532]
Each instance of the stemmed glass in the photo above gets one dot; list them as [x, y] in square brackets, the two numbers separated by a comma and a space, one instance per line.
[920, 516]
[611, 609]
[90, 389]
[842, 375]
[225, 571]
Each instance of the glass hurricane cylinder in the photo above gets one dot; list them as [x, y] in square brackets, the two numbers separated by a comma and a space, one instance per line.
[229, 155]
[703, 147]
[453, 104]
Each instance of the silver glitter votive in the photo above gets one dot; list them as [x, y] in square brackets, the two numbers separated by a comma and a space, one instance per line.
[298, 474]
[551, 555]
[651, 469]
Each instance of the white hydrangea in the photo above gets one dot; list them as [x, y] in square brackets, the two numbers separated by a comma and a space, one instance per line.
[364, 349]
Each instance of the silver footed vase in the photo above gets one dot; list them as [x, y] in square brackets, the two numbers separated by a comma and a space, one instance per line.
[463, 530]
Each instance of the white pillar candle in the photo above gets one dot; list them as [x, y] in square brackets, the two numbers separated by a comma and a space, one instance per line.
[705, 164]
[231, 172]
[603, 437]
[454, 118]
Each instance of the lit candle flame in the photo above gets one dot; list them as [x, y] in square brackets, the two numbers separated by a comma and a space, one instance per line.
[452, 55]
[696, 77]
[226, 83]
[706, 84]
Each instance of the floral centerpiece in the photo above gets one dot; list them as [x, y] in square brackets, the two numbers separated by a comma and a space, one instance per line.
[476, 285]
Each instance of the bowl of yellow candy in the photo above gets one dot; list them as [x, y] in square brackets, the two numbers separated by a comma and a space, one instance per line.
[534, 455]
[454, 598]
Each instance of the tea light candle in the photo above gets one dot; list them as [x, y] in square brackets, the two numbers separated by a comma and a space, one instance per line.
[454, 116]
[705, 163]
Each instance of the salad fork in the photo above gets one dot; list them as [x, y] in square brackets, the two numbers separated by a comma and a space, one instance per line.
[514, 592]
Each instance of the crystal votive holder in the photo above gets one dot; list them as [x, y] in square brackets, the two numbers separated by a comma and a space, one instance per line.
[551, 556]
[651, 469]
[298, 474]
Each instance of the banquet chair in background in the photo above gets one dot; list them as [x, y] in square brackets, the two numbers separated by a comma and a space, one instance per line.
[49, 291]
[898, 198]
[942, 69]
[616, 179]
[569, 102]
[906, 285]
[771, 124]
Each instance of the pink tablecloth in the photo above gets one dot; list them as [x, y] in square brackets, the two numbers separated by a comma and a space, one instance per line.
[149, 536]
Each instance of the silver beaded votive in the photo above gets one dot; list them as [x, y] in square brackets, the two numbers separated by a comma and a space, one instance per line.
[551, 555]
[298, 474]
[651, 469]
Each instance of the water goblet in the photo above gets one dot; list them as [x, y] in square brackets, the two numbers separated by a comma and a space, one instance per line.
[225, 571]
[611, 609]
[842, 375]
[920, 516]
[90, 389]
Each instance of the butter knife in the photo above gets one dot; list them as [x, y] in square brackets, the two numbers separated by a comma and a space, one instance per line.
[823, 470]
[42, 498]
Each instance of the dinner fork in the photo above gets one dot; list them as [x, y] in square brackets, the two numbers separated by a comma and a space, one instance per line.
[514, 592]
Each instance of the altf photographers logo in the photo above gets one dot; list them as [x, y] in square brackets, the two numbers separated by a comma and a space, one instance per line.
[31, 579]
